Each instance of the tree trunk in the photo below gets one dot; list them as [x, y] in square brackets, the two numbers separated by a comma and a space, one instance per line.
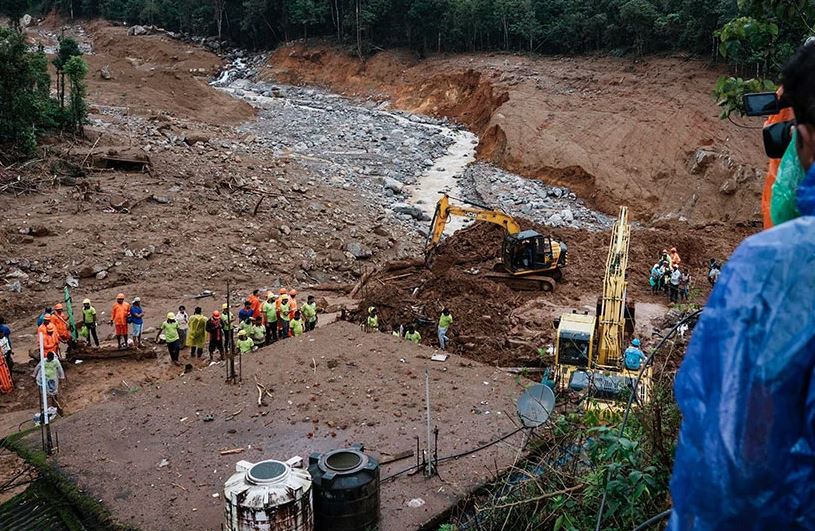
[359, 31]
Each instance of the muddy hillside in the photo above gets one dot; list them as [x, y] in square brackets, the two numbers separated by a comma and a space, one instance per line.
[644, 132]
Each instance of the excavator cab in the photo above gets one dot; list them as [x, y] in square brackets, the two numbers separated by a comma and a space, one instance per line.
[533, 252]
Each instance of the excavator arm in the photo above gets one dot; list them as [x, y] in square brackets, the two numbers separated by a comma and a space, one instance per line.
[611, 326]
[444, 210]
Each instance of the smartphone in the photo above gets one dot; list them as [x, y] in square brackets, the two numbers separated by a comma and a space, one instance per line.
[761, 104]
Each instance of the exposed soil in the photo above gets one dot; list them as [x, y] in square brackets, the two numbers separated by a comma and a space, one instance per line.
[497, 325]
[331, 388]
[645, 132]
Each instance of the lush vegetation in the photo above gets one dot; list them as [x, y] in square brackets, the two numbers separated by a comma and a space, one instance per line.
[27, 108]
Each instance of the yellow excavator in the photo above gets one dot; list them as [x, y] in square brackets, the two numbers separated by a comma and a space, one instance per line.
[529, 260]
[589, 348]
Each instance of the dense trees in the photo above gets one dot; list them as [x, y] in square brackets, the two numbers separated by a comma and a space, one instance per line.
[26, 106]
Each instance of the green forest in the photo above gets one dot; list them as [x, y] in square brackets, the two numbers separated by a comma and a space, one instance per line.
[748, 33]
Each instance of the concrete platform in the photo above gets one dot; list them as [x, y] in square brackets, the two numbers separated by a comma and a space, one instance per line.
[365, 388]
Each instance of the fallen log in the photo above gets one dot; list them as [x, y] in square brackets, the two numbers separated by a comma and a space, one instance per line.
[397, 265]
[363, 279]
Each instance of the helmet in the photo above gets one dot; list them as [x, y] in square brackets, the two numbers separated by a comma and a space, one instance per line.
[216, 314]
[170, 316]
[292, 292]
[46, 317]
[673, 249]
[137, 299]
[86, 301]
[283, 291]
[242, 333]
[371, 309]
[51, 328]
[635, 342]
[58, 307]
[224, 306]
[269, 294]
[120, 296]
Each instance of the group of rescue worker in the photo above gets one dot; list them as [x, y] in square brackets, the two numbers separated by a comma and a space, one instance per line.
[668, 277]
[409, 332]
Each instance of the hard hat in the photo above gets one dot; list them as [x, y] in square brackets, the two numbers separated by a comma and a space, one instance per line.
[51, 328]
[137, 299]
[120, 296]
[58, 307]
[673, 249]
[292, 292]
[224, 306]
[46, 317]
[216, 314]
[283, 291]
[86, 301]
[170, 316]
[242, 333]
[635, 342]
[269, 294]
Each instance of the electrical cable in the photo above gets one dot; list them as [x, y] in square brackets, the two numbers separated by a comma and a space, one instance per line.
[730, 119]
[648, 361]
[456, 456]
[654, 519]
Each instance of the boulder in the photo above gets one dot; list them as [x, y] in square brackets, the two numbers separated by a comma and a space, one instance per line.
[700, 160]
[86, 272]
[359, 251]
[104, 72]
[26, 20]
[410, 210]
[393, 185]
[137, 30]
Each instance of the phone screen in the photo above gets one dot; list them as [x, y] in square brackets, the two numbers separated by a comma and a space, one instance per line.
[761, 104]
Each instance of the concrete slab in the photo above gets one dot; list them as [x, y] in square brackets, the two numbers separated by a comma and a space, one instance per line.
[331, 388]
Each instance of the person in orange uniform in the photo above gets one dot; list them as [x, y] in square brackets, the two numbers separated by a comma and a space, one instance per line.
[786, 115]
[121, 310]
[50, 336]
[675, 260]
[254, 303]
[292, 302]
[60, 321]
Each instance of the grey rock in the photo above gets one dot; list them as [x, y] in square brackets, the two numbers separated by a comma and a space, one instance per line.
[700, 160]
[101, 275]
[567, 215]
[555, 220]
[71, 282]
[14, 287]
[86, 272]
[104, 72]
[285, 229]
[99, 267]
[392, 185]
[409, 210]
[137, 30]
[359, 251]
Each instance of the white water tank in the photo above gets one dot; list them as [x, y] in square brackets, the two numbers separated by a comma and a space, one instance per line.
[269, 496]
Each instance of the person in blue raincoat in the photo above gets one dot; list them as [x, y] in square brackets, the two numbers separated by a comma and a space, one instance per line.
[745, 457]
[634, 356]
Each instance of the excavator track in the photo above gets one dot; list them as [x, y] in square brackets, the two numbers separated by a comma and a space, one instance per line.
[523, 283]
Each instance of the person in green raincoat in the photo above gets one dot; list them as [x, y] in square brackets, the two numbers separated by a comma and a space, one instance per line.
[197, 333]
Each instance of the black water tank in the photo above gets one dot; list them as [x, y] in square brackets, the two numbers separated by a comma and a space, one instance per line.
[346, 490]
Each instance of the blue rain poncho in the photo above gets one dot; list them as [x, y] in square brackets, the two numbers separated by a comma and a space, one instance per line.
[746, 452]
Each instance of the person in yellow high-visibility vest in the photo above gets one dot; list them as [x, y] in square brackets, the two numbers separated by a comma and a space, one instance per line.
[445, 320]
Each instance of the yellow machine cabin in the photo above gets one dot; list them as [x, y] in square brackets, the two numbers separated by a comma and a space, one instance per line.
[589, 348]
[529, 260]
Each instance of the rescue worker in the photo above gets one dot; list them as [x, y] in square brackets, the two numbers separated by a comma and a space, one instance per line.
[50, 337]
[52, 369]
[372, 323]
[216, 335]
[254, 303]
[713, 271]
[413, 335]
[656, 277]
[6, 355]
[60, 321]
[89, 321]
[183, 320]
[258, 332]
[310, 313]
[445, 320]
[292, 301]
[170, 330]
[674, 256]
[665, 257]
[227, 324]
[245, 312]
[634, 356]
[246, 325]
[245, 343]
[137, 322]
[676, 278]
[269, 310]
[283, 313]
[41, 318]
[118, 319]
[197, 333]
[297, 325]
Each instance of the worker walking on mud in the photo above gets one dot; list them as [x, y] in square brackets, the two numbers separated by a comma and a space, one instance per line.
[137, 321]
[216, 335]
[183, 324]
[52, 369]
[118, 319]
[445, 320]
[89, 321]
[413, 335]
[50, 337]
[676, 278]
[633, 356]
[197, 333]
[310, 313]
[372, 323]
[170, 330]
[269, 310]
